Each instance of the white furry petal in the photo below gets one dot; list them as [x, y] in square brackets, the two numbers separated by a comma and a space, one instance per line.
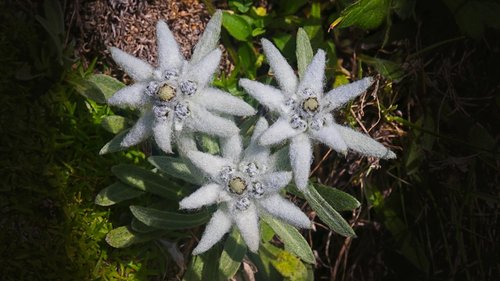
[315, 74]
[203, 121]
[210, 38]
[140, 131]
[278, 132]
[330, 136]
[131, 96]
[254, 152]
[267, 95]
[248, 224]
[219, 225]
[169, 55]
[209, 164]
[275, 181]
[285, 210]
[231, 148]
[300, 159]
[341, 95]
[202, 71]
[162, 131]
[136, 68]
[364, 144]
[282, 70]
[222, 102]
[205, 195]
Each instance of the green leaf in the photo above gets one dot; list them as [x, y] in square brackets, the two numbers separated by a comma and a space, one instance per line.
[114, 123]
[237, 26]
[209, 144]
[175, 167]
[106, 84]
[303, 52]
[115, 193]
[328, 214]
[290, 7]
[247, 59]
[148, 181]
[386, 68]
[88, 90]
[339, 200]
[168, 220]
[366, 14]
[204, 267]
[114, 144]
[123, 236]
[232, 255]
[291, 237]
[138, 226]
[290, 266]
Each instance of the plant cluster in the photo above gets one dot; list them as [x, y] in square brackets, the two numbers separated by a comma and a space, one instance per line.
[239, 174]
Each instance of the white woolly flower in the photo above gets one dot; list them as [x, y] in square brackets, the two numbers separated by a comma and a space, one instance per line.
[305, 112]
[244, 185]
[176, 95]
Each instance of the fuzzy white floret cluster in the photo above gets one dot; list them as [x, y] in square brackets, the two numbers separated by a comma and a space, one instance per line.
[175, 100]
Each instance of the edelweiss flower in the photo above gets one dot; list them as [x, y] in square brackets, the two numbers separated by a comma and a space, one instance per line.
[305, 112]
[176, 95]
[244, 185]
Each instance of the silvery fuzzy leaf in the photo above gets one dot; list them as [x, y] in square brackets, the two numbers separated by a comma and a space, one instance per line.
[169, 54]
[202, 72]
[342, 94]
[203, 121]
[281, 130]
[162, 131]
[304, 52]
[330, 136]
[283, 209]
[275, 181]
[221, 102]
[315, 74]
[205, 195]
[219, 224]
[140, 131]
[131, 96]
[209, 164]
[364, 144]
[231, 148]
[300, 159]
[248, 224]
[134, 67]
[282, 70]
[210, 38]
[265, 94]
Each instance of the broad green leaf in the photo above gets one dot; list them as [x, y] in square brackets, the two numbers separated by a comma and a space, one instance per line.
[123, 236]
[290, 7]
[168, 220]
[115, 193]
[88, 90]
[303, 52]
[175, 167]
[209, 144]
[366, 14]
[291, 237]
[237, 26]
[339, 200]
[114, 144]
[204, 267]
[148, 181]
[232, 255]
[138, 226]
[114, 123]
[327, 213]
[290, 266]
[247, 59]
[106, 84]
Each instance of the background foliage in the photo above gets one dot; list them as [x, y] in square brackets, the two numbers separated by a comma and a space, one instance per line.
[430, 215]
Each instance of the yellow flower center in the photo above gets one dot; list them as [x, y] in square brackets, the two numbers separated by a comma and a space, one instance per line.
[310, 104]
[237, 185]
[166, 93]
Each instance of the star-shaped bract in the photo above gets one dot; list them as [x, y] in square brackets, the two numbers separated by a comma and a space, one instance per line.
[176, 95]
[305, 112]
[244, 185]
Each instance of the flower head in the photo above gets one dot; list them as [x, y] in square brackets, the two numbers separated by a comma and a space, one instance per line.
[244, 185]
[176, 94]
[305, 112]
